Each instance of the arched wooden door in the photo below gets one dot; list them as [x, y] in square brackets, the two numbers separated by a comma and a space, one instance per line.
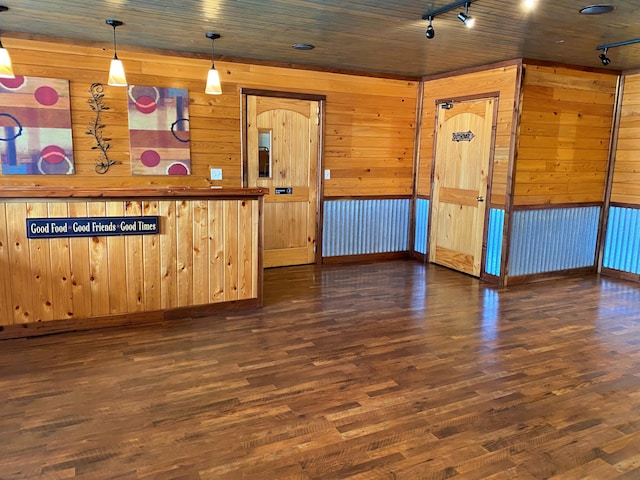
[282, 156]
[464, 143]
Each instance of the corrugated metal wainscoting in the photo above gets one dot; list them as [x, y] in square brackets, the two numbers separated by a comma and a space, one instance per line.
[422, 224]
[494, 242]
[359, 227]
[553, 239]
[622, 244]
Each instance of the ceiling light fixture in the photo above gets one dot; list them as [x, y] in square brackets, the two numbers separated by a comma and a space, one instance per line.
[213, 78]
[529, 4]
[463, 16]
[117, 77]
[6, 70]
[596, 9]
[431, 33]
[605, 48]
[302, 46]
[603, 57]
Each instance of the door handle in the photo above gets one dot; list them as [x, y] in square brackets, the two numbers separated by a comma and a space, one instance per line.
[480, 199]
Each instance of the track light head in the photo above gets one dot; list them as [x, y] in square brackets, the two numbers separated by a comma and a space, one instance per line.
[603, 58]
[465, 18]
[431, 33]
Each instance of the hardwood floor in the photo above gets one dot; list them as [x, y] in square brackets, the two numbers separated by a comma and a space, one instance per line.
[390, 370]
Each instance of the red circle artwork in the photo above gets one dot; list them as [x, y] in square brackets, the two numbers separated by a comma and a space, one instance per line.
[150, 158]
[146, 104]
[177, 169]
[53, 154]
[46, 95]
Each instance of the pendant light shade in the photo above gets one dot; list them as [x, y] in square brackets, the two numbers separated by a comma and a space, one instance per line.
[213, 78]
[6, 69]
[213, 83]
[117, 77]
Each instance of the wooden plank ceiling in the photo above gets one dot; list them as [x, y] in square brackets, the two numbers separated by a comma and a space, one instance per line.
[378, 36]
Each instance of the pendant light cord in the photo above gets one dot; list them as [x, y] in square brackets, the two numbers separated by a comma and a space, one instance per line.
[115, 50]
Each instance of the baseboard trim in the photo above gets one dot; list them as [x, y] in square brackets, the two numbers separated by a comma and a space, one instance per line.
[421, 257]
[37, 329]
[541, 277]
[631, 277]
[493, 280]
[370, 257]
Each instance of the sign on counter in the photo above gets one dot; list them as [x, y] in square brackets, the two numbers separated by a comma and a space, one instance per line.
[91, 226]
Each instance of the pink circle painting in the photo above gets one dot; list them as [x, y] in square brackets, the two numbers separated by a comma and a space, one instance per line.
[146, 104]
[53, 154]
[46, 96]
[13, 83]
[150, 158]
[177, 168]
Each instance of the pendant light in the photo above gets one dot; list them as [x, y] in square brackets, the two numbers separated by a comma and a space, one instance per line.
[213, 78]
[117, 77]
[6, 70]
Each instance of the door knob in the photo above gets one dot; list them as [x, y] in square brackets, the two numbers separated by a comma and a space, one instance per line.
[480, 199]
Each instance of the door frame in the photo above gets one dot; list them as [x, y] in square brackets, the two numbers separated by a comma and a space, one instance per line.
[495, 95]
[321, 99]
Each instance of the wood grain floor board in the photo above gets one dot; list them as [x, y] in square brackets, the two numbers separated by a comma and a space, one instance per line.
[390, 370]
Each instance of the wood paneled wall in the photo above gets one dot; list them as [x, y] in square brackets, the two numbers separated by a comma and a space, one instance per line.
[206, 252]
[369, 129]
[563, 142]
[626, 177]
[503, 80]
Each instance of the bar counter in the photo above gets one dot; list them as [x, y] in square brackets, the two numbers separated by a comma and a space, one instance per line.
[197, 252]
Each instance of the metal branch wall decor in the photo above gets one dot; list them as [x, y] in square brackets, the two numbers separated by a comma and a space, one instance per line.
[95, 128]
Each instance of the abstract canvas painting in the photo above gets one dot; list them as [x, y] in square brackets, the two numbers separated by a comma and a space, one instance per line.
[159, 130]
[35, 126]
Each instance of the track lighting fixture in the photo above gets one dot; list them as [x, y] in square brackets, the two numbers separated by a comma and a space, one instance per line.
[213, 78]
[605, 48]
[117, 77]
[431, 33]
[463, 16]
[6, 70]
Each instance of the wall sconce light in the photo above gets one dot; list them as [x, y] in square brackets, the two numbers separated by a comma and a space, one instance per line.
[6, 70]
[117, 77]
[463, 16]
[213, 78]
[605, 48]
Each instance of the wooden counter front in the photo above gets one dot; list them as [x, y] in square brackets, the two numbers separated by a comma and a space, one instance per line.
[205, 258]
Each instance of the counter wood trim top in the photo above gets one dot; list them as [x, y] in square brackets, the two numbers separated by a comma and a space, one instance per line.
[143, 192]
